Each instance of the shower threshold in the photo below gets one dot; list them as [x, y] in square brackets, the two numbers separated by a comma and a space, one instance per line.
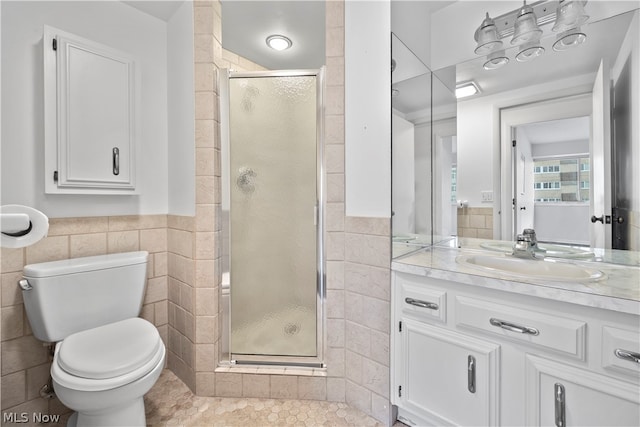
[282, 362]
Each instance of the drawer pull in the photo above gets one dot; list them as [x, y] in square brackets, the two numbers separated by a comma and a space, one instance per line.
[627, 355]
[422, 304]
[513, 327]
[558, 390]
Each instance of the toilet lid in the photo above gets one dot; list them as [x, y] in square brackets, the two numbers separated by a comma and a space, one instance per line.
[109, 351]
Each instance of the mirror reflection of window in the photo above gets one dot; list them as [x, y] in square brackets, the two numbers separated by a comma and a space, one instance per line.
[561, 180]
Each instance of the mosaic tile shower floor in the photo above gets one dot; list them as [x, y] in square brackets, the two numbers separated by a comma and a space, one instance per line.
[171, 403]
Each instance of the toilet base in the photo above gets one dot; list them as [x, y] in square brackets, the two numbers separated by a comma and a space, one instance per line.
[131, 414]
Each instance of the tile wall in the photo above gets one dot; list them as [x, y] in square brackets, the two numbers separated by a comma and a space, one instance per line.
[475, 222]
[25, 361]
[367, 278]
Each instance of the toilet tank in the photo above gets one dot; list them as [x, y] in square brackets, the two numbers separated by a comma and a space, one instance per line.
[68, 296]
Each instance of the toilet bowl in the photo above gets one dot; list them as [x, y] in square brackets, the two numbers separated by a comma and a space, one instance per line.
[105, 358]
[103, 373]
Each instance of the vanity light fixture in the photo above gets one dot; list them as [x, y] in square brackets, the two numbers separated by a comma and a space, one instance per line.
[523, 26]
[487, 37]
[466, 89]
[279, 42]
[569, 15]
[496, 60]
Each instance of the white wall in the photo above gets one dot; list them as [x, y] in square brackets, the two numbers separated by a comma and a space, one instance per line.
[408, 23]
[180, 74]
[562, 223]
[424, 195]
[402, 169]
[111, 23]
[367, 115]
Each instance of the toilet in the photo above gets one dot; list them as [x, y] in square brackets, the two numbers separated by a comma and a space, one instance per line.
[106, 358]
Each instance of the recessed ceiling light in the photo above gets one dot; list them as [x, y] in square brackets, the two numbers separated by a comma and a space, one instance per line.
[466, 89]
[279, 42]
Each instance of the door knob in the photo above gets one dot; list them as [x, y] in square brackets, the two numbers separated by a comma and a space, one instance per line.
[524, 208]
[619, 220]
[600, 218]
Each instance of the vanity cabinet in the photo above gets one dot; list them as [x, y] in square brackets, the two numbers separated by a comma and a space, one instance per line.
[447, 378]
[562, 395]
[535, 361]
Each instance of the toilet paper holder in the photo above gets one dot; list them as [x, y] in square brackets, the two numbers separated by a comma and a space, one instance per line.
[19, 233]
[21, 226]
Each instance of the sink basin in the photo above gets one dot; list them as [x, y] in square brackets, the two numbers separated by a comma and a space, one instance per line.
[554, 251]
[531, 268]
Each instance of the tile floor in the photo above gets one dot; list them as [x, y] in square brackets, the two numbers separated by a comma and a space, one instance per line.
[171, 403]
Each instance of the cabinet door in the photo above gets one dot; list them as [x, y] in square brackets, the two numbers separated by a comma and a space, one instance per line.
[90, 98]
[563, 395]
[446, 378]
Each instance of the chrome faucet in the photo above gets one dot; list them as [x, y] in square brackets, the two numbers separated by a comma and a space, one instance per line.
[526, 245]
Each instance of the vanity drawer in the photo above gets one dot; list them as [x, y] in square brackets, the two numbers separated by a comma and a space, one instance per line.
[621, 350]
[422, 302]
[558, 334]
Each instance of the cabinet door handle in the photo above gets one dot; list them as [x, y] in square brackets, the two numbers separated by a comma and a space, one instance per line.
[115, 154]
[422, 304]
[513, 327]
[627, 355]
[558, 392]
[471, 374]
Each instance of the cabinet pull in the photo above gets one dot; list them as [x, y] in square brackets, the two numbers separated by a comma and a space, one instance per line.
[422, 304]
[471, 374]
[513, 327]
[115, 153]
[627, 355]
[558, 392]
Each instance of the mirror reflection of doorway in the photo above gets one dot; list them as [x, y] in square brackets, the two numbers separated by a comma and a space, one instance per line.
[553, 180]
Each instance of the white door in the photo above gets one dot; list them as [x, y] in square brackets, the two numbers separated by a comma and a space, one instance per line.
[447, 378]
[563, 395]
[600, 150]
[523, 194]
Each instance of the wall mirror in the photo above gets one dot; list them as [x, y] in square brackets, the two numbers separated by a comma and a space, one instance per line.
[411, 94]
[565, 178]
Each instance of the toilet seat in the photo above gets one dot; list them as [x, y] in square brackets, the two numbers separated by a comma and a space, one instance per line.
[108, 356]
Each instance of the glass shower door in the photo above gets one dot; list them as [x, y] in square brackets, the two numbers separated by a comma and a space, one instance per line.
[273, 215]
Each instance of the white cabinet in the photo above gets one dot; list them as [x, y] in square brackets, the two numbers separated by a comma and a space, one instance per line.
[537, 361]
[446, 378]
[562, 395]
[90, 116]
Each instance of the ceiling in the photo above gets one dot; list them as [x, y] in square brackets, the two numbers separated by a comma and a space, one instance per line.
[247, 24]
[163, 9]
[555, 131]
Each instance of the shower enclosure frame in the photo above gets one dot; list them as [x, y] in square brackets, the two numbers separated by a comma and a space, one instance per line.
[228, 358]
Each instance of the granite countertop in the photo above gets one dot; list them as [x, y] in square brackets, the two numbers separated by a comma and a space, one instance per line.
[618, 289]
